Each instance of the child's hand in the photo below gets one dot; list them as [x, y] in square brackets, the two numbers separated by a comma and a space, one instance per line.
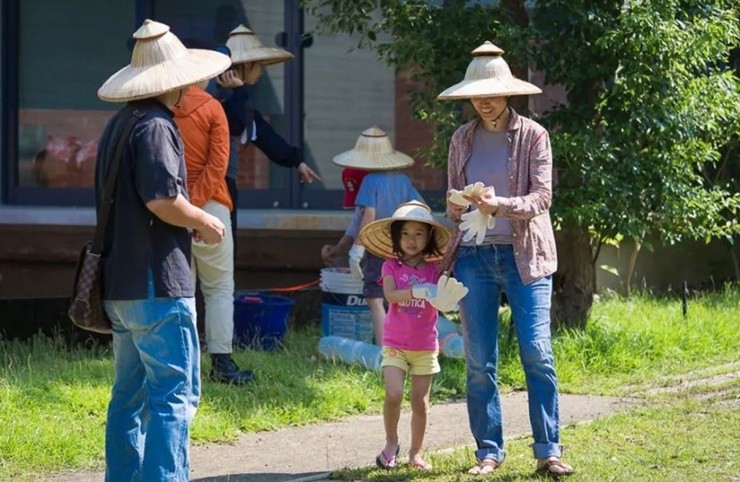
[424, 291]
[355, 255]
[449, 292]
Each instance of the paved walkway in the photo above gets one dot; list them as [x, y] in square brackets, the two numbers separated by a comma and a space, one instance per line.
[311, 452]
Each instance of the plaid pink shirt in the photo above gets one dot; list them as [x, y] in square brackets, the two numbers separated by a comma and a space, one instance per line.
[530, 176]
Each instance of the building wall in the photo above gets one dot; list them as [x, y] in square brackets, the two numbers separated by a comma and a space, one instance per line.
[666, 268]
[412, 135]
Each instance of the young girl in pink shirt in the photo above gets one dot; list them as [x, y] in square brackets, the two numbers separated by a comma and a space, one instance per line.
[411, 242]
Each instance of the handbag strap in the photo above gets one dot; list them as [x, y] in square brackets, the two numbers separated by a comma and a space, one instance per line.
[110, 180]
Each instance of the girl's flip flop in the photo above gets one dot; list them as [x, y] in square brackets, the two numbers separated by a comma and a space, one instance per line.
[385, 461]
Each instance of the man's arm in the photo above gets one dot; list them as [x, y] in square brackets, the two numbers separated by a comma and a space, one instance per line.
[273, 145]
[178, 211]
[277, 150]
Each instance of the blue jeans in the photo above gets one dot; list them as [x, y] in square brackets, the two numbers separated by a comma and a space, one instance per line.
[487, 271]
[156, 388]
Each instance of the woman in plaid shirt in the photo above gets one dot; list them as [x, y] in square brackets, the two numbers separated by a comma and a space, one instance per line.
[504, 242]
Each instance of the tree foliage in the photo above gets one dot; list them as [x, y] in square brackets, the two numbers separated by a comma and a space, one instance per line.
[641, 125]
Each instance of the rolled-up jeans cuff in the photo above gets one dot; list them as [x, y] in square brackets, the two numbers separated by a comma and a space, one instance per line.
[492, 453]
[545, 450]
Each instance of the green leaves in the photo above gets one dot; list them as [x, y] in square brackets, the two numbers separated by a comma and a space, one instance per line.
[648, 111]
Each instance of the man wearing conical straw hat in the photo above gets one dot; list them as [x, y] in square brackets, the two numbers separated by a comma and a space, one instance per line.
[383, 189]
[500, 167]
[147, 289]
[246, 124]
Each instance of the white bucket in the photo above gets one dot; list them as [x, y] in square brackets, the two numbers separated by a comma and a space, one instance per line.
[340, 280]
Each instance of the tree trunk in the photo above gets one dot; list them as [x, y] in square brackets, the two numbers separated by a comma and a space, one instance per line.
[574, 283]
[631, 263]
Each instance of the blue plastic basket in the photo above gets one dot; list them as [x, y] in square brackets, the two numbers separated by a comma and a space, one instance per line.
[261, 320]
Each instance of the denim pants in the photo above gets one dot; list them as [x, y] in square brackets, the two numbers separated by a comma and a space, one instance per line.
[213, 265]
[487, 271]
[156, 389]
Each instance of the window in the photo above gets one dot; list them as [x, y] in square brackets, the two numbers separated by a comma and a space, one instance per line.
[57, 55]
[207, 23]
[65, 52]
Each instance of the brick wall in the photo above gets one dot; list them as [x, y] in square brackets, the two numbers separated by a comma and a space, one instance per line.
[254, 168]
[412, 134]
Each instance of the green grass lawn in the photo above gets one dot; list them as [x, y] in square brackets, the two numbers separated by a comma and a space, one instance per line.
[53, 401]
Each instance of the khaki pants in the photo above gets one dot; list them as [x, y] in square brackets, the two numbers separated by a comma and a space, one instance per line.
[213, 265]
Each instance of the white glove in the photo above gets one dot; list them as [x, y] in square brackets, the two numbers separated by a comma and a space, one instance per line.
[456, 197]
[449, 292]
[477, 189]
[475, 224]
[356, 252]
[424, 291]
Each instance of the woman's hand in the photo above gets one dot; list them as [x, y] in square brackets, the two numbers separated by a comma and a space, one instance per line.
[229, 79]
[454, 210]
[307, 174]
[486, 203]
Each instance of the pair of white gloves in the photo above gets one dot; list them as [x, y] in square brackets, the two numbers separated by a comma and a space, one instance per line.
[444, 296]
[474, 223]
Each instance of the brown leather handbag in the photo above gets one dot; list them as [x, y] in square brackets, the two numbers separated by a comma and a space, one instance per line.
[86, 308]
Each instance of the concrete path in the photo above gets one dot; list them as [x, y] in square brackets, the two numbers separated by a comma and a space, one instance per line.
[310, 452]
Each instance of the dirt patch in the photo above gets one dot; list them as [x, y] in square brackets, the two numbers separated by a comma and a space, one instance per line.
[717, 384]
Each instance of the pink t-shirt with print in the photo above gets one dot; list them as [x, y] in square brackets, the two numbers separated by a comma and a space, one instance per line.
[412, 324]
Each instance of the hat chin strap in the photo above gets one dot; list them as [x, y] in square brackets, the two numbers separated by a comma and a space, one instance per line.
[180, 96]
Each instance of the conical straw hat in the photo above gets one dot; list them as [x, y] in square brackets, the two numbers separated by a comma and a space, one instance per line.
[246, 47]
[373, 152]
[160, 63]
[376, 236]
[488, 75]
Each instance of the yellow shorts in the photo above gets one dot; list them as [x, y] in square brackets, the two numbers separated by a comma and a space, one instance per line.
[412, 362]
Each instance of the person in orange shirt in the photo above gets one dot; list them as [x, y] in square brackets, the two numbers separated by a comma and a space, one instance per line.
[205, 133]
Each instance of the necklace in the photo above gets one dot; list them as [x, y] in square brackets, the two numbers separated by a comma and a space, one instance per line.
[494, 122]
[414, 265]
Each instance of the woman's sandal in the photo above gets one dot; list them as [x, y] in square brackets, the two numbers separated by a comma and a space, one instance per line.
[485, 466]
[385, 461]
[554, 467]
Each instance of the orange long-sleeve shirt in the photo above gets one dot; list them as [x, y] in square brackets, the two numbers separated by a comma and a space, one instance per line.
[205, 134]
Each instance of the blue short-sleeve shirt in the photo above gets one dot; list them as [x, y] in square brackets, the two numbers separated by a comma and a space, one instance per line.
[384, 191]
